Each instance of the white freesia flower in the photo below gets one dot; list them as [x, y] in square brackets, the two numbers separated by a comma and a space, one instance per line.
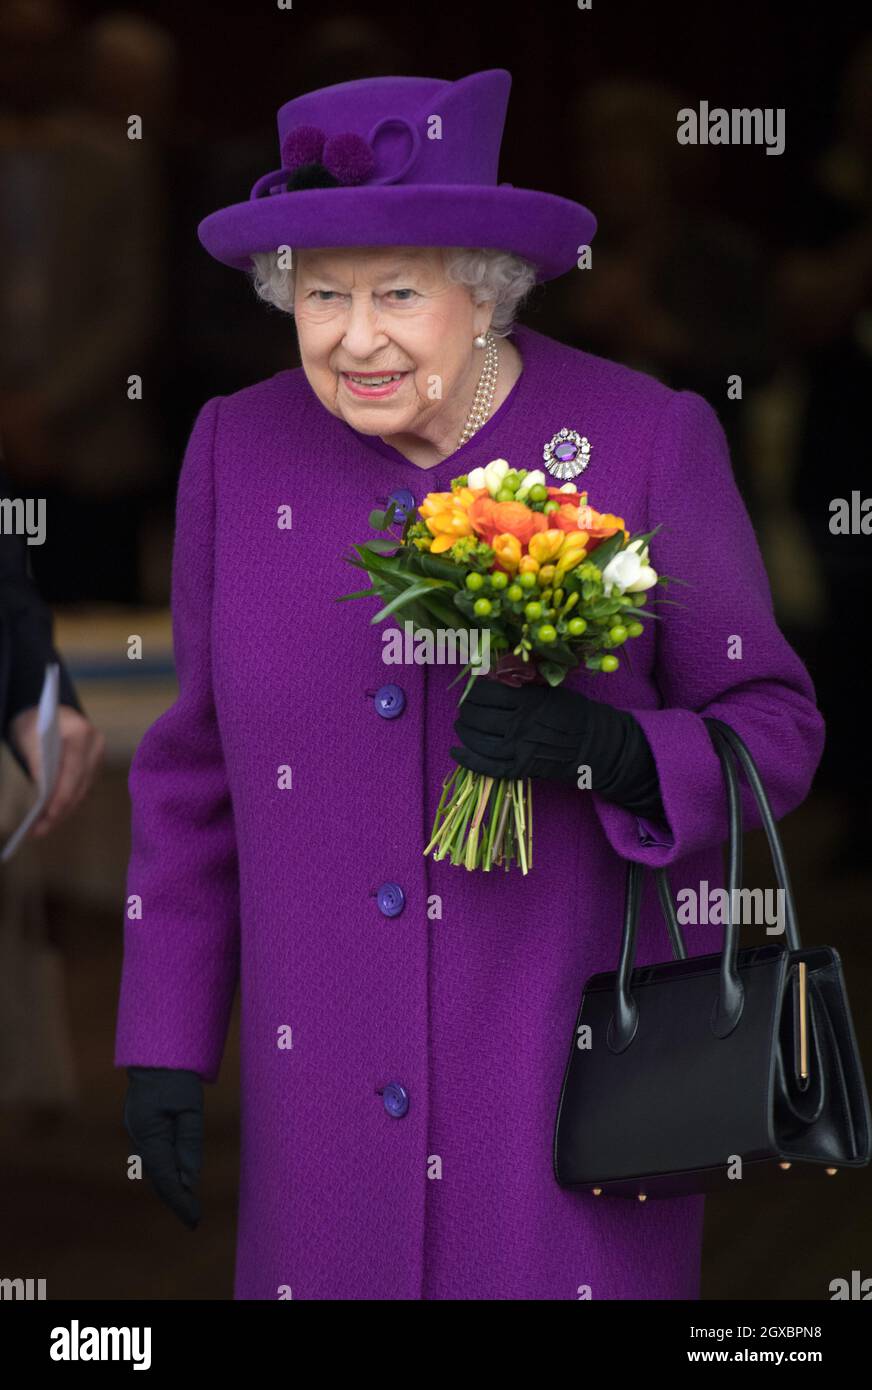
[476, 478]
[647, 579]
[537, 476]
[494, 473]
[568, 487]
[629, 571]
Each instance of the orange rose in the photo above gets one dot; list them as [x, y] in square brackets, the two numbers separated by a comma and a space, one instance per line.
[490, 518]
[565, 518]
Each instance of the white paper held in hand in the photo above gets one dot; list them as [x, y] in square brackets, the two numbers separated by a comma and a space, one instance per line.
[48, 731]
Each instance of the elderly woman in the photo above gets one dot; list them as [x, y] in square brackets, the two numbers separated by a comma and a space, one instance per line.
[404, 1023]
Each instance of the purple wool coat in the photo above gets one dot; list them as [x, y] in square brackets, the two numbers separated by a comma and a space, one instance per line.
[467, 997]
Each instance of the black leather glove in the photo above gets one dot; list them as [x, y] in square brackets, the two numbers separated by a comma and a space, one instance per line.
[547, 731]
[163, 1114]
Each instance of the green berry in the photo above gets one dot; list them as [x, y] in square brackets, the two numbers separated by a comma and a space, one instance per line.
[482, 607]
[576, 626]
[527, 580]
[475, 580]
[515, 593]
[618, 633]
[609, 663]
[538, 493]
[533, 611]
[547, 633]
[552, 505]
[512, 481]
[635, 629]
[505, 495]
[499, 579]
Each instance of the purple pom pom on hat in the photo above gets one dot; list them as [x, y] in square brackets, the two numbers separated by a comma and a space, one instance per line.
[349, 158]
[303, 145]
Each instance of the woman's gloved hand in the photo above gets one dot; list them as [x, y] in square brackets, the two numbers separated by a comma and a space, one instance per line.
[163, 1114]
[548, 731]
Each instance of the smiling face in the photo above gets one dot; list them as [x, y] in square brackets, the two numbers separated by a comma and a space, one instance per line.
[391, 312]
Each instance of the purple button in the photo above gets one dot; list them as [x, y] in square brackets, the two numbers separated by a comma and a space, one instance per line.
[391, 899]
[404, 501]
[396, 1099]
[389, 701]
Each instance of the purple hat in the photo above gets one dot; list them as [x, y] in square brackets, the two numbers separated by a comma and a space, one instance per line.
[398, 161]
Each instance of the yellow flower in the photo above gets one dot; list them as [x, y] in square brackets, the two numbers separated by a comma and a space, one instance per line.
[572, 553]
[545, 545]
[465, 496]
[446, 525]
[572, 541]
[507, 549]
[435, 503]
[529, 563]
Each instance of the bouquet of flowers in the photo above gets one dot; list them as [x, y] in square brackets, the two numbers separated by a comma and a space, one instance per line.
[550, 583]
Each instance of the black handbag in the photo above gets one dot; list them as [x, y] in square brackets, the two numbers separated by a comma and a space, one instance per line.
[701, 1061]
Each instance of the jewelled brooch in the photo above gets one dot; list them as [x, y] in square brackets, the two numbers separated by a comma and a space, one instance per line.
[566, 454]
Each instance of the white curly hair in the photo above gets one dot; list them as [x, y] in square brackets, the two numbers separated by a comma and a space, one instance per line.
[488, 275]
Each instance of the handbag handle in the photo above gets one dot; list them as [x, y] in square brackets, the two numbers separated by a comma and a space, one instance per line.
[727, 1012]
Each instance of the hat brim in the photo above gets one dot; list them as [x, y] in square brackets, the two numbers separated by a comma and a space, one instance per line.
[542, 227]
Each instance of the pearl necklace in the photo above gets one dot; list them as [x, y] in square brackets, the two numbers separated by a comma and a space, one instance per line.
[484, 392]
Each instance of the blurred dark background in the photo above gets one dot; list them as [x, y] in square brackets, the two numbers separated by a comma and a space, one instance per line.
[711, 262]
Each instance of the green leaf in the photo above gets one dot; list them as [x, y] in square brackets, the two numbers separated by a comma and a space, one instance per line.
[359, 593]
[443, 611]
[560, 653]
[376, 564]
[644, 537]
[553, 673]
[380, 520]
[413, 591]
[437, 568]
[642, 613]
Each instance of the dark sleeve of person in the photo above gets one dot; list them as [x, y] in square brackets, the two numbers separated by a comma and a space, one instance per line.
[29, 645]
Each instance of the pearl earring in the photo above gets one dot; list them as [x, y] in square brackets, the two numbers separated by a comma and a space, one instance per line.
[480, 341]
